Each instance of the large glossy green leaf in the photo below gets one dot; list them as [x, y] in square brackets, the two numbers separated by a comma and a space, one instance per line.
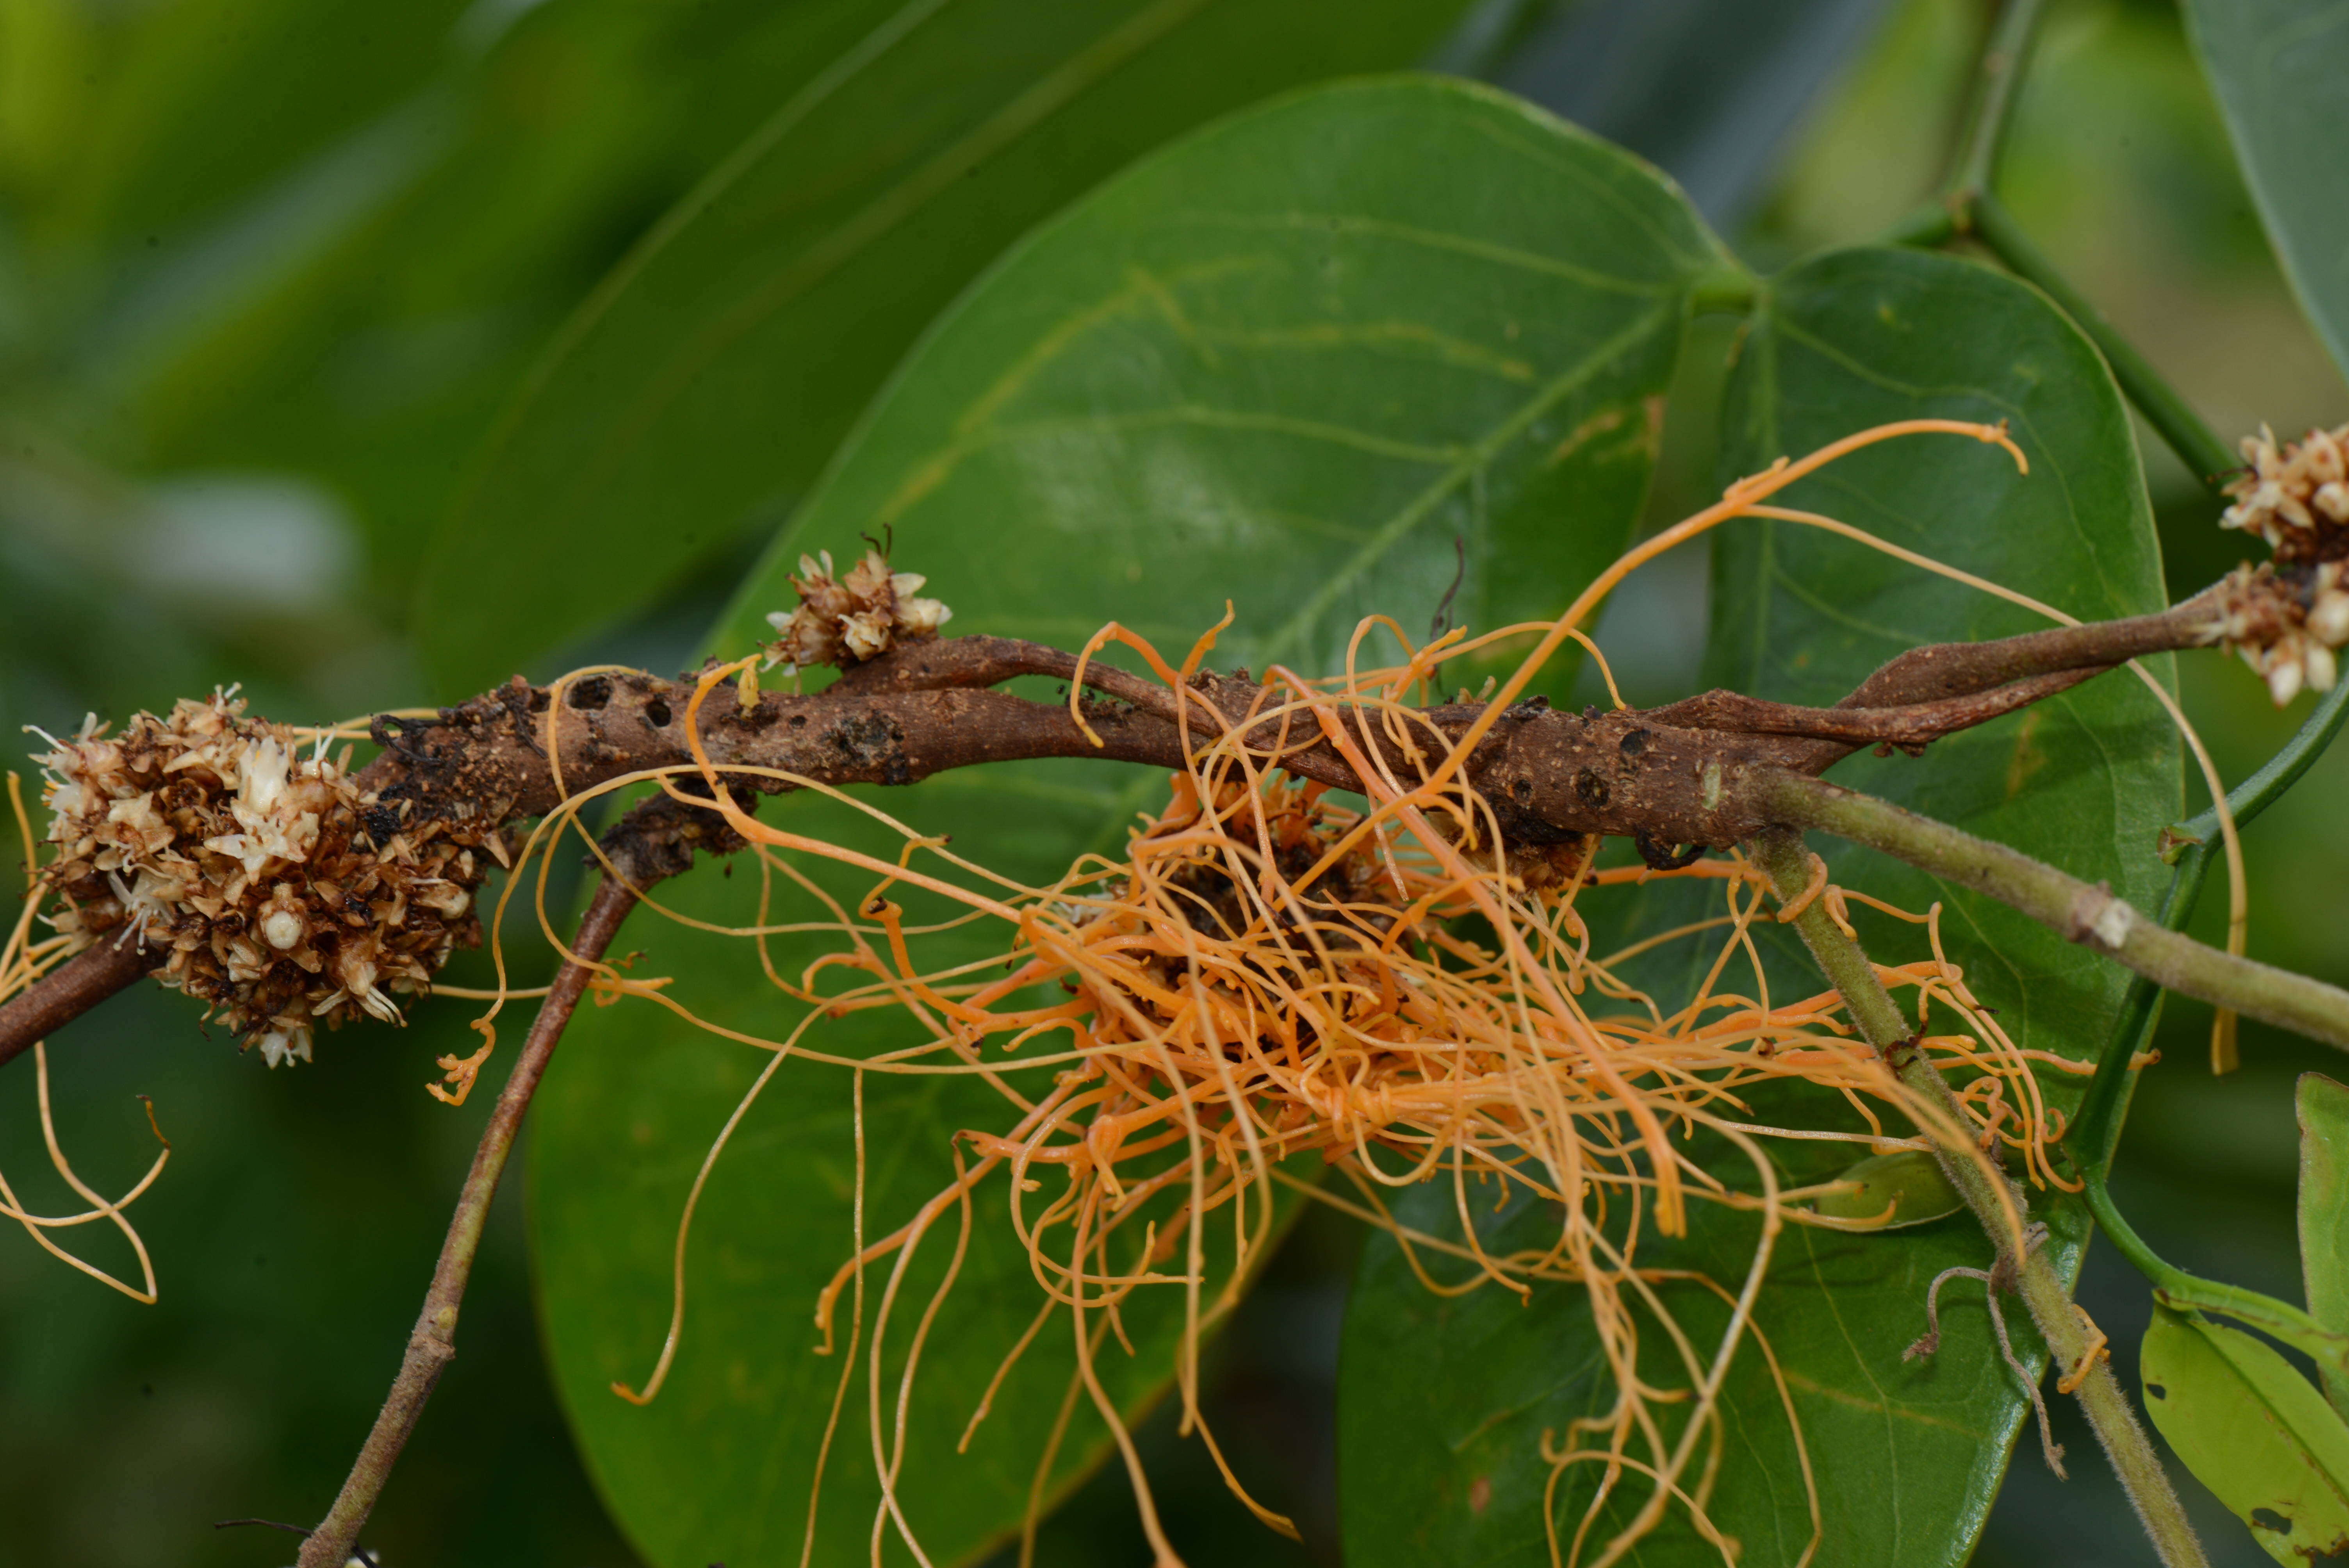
[1709, 89]
[2323, 1110]
[1437, 1395]
[2254, 1430]
[2281, 71]
[273, 84]
[708, 379]
[1292, 363]
[374, 353]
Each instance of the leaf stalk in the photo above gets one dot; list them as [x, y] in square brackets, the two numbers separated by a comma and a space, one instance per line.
[1969, 207]
[1992, 108]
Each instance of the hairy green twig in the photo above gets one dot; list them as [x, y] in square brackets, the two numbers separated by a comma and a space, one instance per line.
[433, 1344]
[2081, 911]
[2096, 1130]
[1994, 1203]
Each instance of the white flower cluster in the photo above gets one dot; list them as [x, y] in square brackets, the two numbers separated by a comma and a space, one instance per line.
[843, 620]
[2288, 625]
[2293, 493]
[2289, 618]
[284, 896]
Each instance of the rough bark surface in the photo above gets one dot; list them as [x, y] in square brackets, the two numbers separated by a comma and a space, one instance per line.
[1691, 774]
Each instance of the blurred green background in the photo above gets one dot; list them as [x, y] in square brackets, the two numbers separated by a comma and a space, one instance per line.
[268, 271]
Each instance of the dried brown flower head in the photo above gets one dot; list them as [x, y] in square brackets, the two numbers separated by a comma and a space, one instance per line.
[285, 896]
[843, 620]
[2289, 616]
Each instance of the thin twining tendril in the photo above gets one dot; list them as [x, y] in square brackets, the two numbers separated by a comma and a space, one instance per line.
[1265, 973]
[22, 962]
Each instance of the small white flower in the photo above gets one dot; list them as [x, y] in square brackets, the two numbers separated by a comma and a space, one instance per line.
[262, 769]
[922, 616]
[2284, 678]
[283, 929]
[2328, 623]
[285, 1043]
[867, 632]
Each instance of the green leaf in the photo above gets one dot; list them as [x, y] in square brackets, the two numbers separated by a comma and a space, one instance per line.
[252, 75]
[1907, 1185]
[2324, 1108]
[2254, 1430]
[1296, 362]
[1438, 1394]
[1445, 1400]
[373, 355]
[703, 384]
[2281, 71]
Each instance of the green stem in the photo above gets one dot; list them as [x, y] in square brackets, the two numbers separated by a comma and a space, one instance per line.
[2097, 1129]
[2196, 445]
[1993, 1201]
[1969, 205]
[2080, 912]
[1728, 289]
[1995, 97]
[2175, 1288]
[433, 1344]
[1927, 227]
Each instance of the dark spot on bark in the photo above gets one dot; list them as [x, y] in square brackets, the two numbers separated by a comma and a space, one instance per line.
[1633, 743]
[1522, 789]
[872, 740]
[591, 693]
[382, 824]
[799, 721]
[538, 699]
[1664, 857]
[657, 714]
[1592, 789]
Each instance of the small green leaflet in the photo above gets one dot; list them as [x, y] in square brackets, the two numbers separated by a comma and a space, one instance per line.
[1908, 1183]
[2254, 1430]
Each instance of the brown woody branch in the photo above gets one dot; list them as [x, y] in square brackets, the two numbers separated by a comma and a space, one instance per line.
[68, 991]
[1669, 776]
[433, 1344]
